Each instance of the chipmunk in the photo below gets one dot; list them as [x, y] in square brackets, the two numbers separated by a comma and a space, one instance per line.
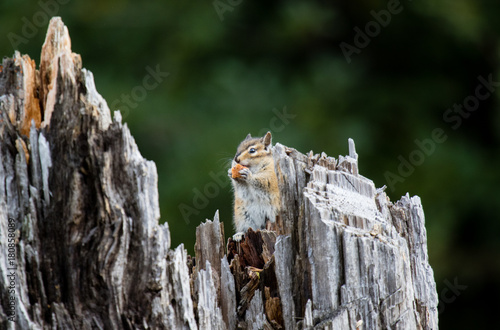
[256, 193]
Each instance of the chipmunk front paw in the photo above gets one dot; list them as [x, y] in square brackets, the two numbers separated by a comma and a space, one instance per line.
[245, 173]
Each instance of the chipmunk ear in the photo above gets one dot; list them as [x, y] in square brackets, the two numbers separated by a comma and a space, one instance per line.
[267, 139]
[248, 137]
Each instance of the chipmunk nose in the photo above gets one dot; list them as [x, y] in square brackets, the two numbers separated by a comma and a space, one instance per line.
[237, 159]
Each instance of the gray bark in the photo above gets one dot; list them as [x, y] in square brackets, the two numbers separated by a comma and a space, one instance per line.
[81, 247]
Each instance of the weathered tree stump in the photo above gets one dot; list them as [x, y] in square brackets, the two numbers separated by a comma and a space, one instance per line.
[81, 247]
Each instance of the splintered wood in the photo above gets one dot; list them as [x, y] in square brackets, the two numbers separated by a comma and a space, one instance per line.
[252, 264]
[82, 205]
[339, 255]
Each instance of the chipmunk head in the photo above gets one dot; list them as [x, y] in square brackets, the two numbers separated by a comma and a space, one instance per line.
[251, 150]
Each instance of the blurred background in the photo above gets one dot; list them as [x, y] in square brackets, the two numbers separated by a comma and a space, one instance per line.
[192, 79]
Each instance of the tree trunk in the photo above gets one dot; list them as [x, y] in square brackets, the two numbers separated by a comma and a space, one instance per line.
[81, 247]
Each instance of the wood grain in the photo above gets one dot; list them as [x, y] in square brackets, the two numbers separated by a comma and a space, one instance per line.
[81, 204]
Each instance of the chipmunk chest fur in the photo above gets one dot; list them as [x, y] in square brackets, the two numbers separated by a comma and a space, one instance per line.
[256, 193]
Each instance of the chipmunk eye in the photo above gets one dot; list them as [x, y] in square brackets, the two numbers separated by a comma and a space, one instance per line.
[252, 150]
